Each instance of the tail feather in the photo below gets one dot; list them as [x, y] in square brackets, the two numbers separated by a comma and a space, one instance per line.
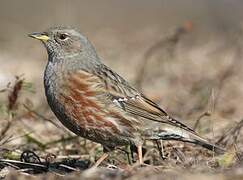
[179, 134]
[210, 146]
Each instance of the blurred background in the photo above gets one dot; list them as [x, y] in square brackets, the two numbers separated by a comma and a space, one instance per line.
[184, 54]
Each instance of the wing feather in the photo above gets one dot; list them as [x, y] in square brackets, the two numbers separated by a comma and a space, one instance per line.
[130, 100]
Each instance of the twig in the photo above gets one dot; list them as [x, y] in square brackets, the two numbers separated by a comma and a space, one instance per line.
[14, 94]
[30, 157]
[12, 101]
[61, 140]
[42, 117]
[35, 141]
[231, 136]
[5, 130]
[63, 167]
[21, 165]
[6, 140]
[199, 119]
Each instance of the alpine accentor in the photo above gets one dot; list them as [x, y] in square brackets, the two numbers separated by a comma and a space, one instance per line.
[94, 102]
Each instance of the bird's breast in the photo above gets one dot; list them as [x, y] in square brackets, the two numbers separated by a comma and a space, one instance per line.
[79, 96]
[80, 108]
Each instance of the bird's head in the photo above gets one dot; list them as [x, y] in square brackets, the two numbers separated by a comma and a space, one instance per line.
[65, 42]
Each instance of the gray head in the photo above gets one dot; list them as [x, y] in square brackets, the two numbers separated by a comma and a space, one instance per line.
[63, 42]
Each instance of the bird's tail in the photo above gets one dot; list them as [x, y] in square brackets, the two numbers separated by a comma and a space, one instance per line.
[178, 134]
[204, 143]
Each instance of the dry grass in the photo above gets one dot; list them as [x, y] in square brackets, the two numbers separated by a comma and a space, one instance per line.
[198, 80]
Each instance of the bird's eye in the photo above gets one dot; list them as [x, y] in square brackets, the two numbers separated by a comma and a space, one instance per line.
[63, 36]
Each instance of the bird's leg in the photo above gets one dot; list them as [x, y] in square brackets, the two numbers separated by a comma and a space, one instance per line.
[140, 154]
[129, 154]
[160, 147]
[132, 155]
[100, 160]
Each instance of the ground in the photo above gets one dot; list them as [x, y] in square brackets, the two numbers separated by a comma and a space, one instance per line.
[196, 76]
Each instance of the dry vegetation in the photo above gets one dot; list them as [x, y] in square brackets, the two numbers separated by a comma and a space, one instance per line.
[198, 79]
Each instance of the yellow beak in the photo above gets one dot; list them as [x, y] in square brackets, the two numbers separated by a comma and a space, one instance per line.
[39, 36]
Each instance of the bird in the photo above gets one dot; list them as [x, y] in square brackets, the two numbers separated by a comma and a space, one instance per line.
[96, 103]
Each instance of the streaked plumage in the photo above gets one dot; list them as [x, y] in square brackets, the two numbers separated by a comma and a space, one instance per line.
[96, 103]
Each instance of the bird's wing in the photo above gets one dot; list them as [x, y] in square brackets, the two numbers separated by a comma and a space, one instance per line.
[130, 100]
